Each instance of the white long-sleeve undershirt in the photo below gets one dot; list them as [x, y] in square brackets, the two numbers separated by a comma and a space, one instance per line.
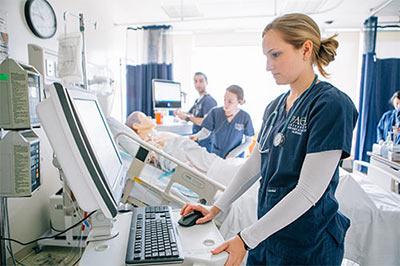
[205, 133]
[241, 148]
[202, 134]
[315, 175]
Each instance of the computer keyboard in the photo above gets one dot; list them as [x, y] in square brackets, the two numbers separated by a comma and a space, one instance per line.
[152, 237]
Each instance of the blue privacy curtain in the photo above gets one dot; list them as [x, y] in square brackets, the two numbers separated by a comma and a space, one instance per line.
[380, 79]
[149, 56]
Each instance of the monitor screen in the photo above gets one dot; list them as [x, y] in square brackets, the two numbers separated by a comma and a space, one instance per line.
[100, 139]
[166, 94]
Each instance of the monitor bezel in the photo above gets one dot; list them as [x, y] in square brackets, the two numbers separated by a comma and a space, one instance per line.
[166, 104]
[81, 141]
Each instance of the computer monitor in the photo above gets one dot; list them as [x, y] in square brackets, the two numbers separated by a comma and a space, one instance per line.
[85, 148]
[166, 94]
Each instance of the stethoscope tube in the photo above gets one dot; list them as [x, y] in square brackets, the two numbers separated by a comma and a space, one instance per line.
[279, 138]
[271, 121]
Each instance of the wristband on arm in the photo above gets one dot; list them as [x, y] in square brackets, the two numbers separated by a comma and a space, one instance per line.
[246, 247]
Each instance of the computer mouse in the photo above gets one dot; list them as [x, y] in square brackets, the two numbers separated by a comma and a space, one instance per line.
[190, 218]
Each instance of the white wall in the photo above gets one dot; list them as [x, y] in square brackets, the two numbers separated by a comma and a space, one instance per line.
[29, 217]
[345, 69]
[387, 44]
[182, 49]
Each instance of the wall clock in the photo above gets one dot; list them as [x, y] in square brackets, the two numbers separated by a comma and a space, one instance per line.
[41, 18]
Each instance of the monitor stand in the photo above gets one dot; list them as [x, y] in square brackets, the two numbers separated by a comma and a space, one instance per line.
[71, 238]
[102, 228]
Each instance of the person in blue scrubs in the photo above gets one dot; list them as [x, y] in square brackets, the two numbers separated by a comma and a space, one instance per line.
[200, 108]
[389, 119]
[230, 127]
[305, 133]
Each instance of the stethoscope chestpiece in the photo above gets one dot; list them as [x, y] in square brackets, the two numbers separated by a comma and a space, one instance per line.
[279, 139]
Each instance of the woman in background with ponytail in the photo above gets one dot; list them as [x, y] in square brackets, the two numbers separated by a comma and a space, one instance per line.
[306, 132]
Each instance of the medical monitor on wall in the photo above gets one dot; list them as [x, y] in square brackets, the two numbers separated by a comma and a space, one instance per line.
[85, 149]
[166, 94]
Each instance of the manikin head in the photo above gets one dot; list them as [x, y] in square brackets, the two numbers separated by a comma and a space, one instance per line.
[140, 123]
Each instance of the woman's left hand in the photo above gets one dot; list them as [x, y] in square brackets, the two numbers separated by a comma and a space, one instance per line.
[235, 248]
[194, 138]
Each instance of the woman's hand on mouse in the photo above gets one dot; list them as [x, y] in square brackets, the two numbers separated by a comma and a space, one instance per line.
[209, 214]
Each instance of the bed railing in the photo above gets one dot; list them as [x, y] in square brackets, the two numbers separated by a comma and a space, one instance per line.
[184, 175]
[377, 173]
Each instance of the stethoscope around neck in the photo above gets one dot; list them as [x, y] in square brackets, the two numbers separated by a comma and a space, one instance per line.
[279, 138]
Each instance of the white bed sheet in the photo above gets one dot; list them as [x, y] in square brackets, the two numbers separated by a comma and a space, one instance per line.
[216, 168]
[374, 235]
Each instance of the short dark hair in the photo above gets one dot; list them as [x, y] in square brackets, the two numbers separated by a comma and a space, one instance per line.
[201, 74]
[394, 96]
[238, 91]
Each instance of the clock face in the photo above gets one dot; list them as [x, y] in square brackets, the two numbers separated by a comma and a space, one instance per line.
[41, 18]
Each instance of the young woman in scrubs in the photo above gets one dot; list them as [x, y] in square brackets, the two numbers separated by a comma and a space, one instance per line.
[305, 132]
[230, 127]
[389, 119]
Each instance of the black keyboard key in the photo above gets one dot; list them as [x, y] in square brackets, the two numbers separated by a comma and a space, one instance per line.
[175, 254]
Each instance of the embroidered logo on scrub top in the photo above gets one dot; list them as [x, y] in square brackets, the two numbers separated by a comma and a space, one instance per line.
[298, 125]
[239, 127]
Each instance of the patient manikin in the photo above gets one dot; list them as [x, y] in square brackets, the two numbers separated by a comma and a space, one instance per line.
[144, 127]
[182, 148]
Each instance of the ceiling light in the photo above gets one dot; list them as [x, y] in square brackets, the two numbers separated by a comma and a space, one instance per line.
[181, 9]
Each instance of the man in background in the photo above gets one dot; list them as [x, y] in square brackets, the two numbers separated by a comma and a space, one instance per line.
[200, 108]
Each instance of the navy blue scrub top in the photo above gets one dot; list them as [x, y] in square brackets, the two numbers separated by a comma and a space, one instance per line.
[324, 121]
[201, 108]
[227, 135]
[388, 120]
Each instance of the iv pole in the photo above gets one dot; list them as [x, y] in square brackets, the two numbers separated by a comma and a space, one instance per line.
[3, 219]
[70, 239]
[82, 31]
